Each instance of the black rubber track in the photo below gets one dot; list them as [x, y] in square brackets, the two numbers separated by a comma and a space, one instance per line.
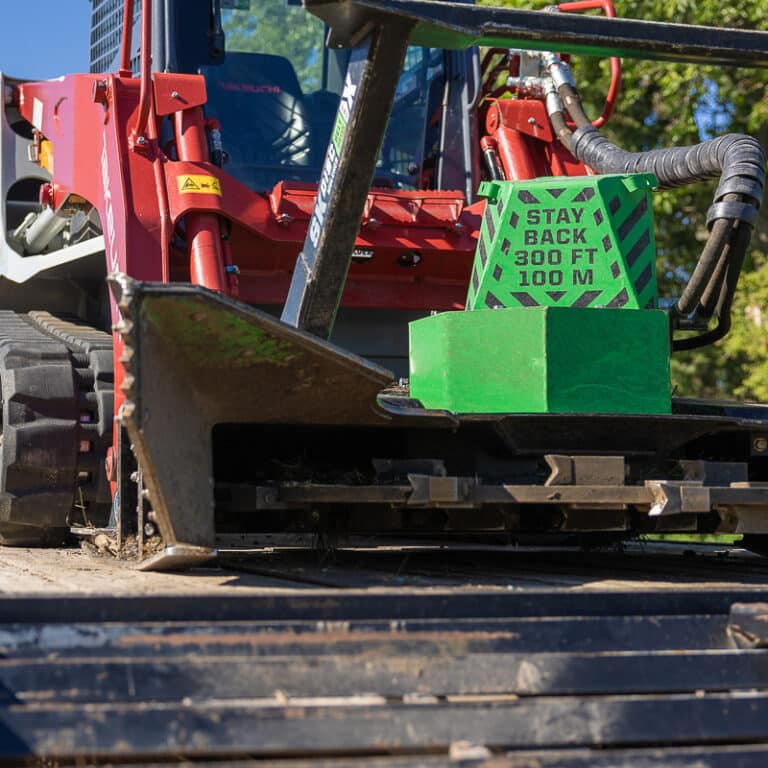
[56, 384]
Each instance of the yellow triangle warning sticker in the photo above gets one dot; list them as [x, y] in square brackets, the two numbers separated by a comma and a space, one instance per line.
[199, 184]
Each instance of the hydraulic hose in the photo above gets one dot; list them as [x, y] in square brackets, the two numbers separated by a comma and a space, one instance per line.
[717, 242]
[727, 291]
[737, 159]
[561, 129]
[708, 302]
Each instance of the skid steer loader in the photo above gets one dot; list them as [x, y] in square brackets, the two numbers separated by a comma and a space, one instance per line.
[356, 291]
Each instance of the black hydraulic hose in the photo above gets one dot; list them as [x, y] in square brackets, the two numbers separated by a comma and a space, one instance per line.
[708, 302]
[739, 161]
[715, 245]
[562, 131]
[705, 267]
[727, 292]
[571, 100]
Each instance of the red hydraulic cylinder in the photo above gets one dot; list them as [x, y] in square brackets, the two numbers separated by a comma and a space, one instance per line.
[515, 154]
[513, 150]
[206, 257]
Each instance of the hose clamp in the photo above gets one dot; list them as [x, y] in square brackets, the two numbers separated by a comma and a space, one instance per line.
[553, 102]
[558, 70]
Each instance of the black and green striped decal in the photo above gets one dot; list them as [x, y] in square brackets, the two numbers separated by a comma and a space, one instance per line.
[566, 242]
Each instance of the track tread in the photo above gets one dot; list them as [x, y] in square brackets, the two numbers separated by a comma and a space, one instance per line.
[57, 392]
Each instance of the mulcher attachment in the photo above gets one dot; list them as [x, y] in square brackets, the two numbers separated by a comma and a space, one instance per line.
[243, 425]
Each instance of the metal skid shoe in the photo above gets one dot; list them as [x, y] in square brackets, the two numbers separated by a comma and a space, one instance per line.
[194, 359]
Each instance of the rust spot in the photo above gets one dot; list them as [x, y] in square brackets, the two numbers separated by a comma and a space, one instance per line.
[45, 695]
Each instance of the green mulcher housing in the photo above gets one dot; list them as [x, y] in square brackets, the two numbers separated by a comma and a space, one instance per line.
[568, 266]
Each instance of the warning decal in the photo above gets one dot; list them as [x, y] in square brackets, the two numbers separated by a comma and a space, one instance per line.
[200, 185]
[583, 243]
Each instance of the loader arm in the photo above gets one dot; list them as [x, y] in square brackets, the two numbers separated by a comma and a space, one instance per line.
[350, 161]
[456, 25]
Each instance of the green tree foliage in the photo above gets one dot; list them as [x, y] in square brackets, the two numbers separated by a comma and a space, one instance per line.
[274, 27]
[664, 104]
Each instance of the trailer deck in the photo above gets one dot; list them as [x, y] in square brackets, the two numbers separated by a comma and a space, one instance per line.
[633, 566]
[388, 657]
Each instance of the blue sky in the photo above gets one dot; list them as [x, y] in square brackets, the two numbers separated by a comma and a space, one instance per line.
[44, 38]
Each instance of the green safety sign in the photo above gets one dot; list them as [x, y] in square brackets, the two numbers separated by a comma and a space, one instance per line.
[576, 242]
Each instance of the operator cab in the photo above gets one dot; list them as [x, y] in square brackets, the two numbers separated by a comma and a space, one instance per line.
[274, 88]
[277, 90]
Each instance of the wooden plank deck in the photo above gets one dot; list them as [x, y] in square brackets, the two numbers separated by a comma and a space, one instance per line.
[397, 657]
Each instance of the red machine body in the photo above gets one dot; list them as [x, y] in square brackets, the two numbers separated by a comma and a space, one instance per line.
[139, 193]
[170, 214]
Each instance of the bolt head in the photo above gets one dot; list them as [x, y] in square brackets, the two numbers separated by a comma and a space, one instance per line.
[175, 95]
[531, 120]
[760, 444]
[149, 529]
[141, 140]
[99, 92]
[409, 259]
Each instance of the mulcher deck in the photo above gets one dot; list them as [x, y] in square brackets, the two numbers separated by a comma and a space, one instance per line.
[392, 658]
